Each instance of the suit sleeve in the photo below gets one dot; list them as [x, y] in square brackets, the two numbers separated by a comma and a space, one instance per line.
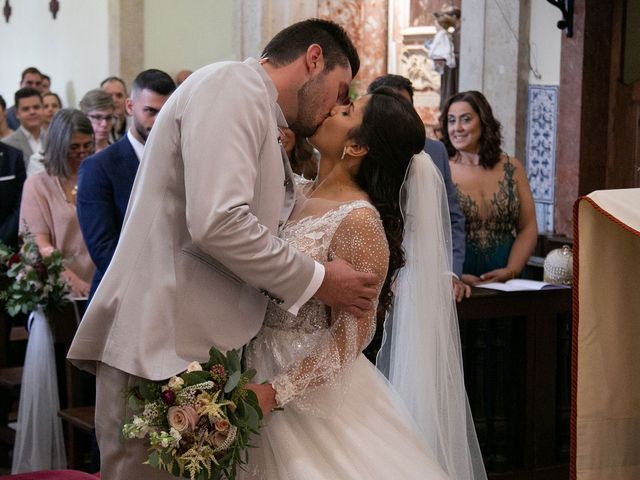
[224, 130]
[438, 153]
[9, 225]
[97, 213]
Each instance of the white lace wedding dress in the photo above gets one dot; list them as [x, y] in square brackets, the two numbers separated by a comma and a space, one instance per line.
[341, 420]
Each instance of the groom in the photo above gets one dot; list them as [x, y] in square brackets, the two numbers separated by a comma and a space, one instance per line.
[199, 256]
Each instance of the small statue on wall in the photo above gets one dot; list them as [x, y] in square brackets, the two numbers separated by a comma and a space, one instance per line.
[415, 66]
[6, 11]
[444, 50]
[54, 6]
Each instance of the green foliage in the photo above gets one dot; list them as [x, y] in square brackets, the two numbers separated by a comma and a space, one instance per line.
[33, 282]
[194, 452]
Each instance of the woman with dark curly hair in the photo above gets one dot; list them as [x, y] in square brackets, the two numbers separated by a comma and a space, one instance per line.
[493, 191]
[340, 418]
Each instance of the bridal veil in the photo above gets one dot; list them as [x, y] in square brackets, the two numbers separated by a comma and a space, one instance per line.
[421, 352]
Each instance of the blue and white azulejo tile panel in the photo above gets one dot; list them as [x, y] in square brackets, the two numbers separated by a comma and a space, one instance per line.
[542, 123]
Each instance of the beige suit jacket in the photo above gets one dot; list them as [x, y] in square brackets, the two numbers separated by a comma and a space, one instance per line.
[20, 141]
[199, 253]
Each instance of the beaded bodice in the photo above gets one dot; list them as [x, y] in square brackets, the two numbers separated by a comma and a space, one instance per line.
[311, 235]
[300, 354]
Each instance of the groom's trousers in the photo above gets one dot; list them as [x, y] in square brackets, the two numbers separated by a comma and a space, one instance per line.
[120, 459]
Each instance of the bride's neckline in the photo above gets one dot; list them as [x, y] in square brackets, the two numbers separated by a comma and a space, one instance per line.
[317, 215]
[351, 194]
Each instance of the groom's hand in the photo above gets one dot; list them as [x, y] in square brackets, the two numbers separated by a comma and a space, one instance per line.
[344, 288]
[266, 396]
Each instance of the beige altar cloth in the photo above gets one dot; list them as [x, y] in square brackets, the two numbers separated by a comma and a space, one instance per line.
[605, 417]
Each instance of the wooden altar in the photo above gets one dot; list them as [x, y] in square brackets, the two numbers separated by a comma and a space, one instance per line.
[517, 352]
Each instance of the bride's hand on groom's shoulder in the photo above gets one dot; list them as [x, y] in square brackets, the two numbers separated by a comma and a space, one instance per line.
[344, 288]
[266, 396]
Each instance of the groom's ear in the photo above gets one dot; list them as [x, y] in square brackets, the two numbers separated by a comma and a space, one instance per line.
[314, 59]
[356, 151]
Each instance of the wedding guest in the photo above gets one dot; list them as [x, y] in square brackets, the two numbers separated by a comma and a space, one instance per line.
[97, 105]
[45, 86]
[30, 78]
[182, 75]
[5, 131]
[493, 191]
[12, 176]
[116, 87]
[51, 103]
[302, 156]
[30, 134]
[48, 209]
[105, 179]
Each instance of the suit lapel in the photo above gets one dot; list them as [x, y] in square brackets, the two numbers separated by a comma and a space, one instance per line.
[289, 186]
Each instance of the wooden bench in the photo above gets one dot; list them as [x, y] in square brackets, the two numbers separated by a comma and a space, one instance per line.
[10, 381]
[77, 416]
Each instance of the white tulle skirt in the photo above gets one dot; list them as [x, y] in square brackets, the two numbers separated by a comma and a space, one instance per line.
[368, 436]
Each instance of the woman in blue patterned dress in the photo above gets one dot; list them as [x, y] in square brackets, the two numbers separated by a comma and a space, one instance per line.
[493, 191]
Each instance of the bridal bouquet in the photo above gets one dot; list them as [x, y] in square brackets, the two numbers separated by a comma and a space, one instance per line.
[33, 281]
[197, 424]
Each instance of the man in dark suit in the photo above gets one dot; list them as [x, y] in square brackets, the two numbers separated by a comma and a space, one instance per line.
[105, 179]
[12, 177]
[438, 153]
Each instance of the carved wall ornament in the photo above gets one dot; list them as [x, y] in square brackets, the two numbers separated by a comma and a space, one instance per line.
[416, 66]
[6, 11]
[54, 6]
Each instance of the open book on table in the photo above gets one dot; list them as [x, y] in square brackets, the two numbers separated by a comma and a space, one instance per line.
[520, 284]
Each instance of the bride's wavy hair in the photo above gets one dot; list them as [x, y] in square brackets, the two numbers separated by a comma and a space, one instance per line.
[393, 132]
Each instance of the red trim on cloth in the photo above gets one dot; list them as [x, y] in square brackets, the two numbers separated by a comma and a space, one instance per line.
[574, 345]
[52, 475]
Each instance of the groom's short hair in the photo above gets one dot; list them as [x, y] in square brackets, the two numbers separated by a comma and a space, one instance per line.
[293, 41]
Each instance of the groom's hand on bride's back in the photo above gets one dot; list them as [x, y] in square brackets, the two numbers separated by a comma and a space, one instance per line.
[344, 288]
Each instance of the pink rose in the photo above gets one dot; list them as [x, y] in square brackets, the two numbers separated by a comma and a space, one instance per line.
[222, 425]
[182, 418]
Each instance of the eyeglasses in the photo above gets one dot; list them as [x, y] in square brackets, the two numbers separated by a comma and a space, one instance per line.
[102, 118]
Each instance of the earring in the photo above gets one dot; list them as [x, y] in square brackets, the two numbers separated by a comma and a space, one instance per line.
[344, 152]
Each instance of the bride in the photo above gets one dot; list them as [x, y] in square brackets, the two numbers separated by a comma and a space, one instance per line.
[340, 419]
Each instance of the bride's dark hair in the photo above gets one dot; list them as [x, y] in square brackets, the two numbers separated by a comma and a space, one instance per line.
[393, 132]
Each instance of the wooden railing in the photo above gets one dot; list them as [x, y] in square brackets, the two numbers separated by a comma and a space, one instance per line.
[516, 352]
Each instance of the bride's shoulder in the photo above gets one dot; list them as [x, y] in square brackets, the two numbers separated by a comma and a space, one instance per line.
[361, 216]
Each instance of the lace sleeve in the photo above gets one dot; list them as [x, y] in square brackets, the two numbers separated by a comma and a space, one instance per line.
[360, 240]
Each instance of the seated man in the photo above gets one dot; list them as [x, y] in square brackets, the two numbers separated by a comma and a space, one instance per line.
[438, 154]
[12, 177]
[30, 135]
[105, 179]
[32, 78]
